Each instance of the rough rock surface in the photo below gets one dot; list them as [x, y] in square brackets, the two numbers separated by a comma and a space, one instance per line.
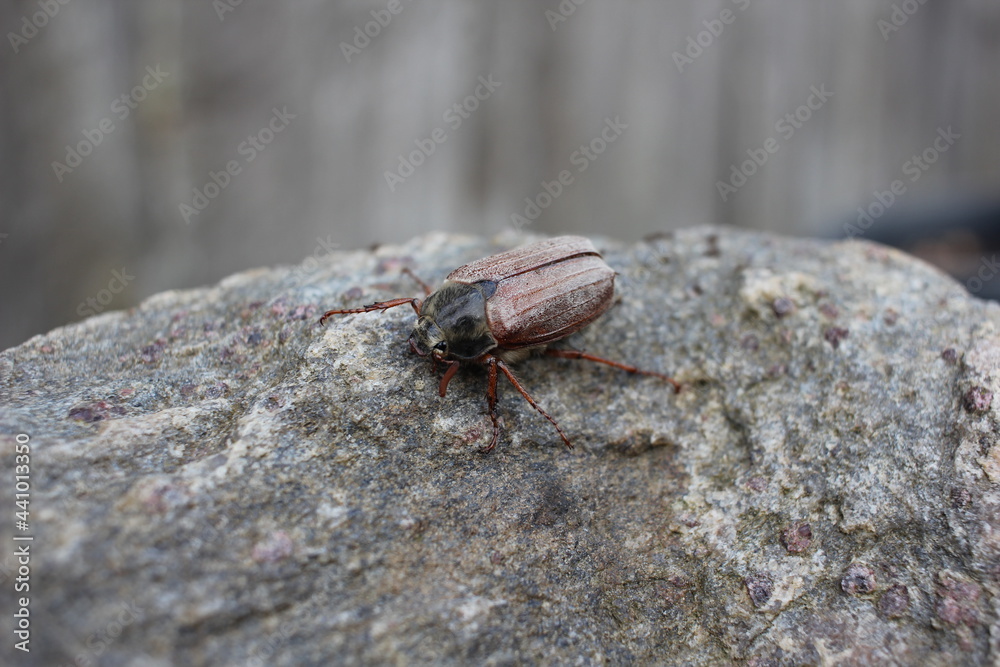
[216, 480]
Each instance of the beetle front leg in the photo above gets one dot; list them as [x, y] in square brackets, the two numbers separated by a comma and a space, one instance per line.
[491, 399]
[577, 354]
[531, 401]
[448, 375]
[381, 305]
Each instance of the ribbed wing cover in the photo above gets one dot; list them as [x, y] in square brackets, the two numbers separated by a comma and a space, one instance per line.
[513, 262]
[551, 302]
[545, 291]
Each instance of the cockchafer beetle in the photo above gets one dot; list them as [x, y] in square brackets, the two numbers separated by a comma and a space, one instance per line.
[497, 310]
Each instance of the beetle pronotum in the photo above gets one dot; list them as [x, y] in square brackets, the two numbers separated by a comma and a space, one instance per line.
[497, 310]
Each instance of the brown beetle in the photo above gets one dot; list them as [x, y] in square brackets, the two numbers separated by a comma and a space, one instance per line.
[497, 310]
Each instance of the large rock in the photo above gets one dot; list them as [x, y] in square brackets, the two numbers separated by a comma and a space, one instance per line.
[215, 479]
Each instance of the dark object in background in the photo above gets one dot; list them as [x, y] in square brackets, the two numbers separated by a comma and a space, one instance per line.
[960, 237]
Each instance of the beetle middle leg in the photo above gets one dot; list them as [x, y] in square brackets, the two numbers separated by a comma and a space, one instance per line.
[497, 363]
[577, 354]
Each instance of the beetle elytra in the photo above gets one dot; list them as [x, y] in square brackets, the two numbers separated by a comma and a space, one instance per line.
[497, 310]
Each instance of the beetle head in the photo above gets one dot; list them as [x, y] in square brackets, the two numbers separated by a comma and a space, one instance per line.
[452, 325]
[427, 338]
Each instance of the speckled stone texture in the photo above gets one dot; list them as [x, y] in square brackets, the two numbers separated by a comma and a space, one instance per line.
[219, 481]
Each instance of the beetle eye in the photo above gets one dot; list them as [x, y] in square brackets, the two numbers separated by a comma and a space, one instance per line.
[441, 347]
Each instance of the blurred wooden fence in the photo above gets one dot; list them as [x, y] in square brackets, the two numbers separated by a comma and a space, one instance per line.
[288, 127]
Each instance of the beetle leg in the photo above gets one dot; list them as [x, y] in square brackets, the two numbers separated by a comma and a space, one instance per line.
[448, 375]
[577, 354]
[491, 399]
[381, 305]
[517, 385]
[416, 279]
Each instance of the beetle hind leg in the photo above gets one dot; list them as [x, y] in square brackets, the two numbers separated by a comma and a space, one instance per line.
[517, 385]
[491, 398]
[577, 354]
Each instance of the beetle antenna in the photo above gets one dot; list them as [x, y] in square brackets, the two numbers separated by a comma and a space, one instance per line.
[577, 354]
[517, 385]
[381, 305]
[424, 286]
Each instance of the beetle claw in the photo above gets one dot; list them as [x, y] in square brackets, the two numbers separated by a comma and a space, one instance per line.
[493, 443]
[581, 354]
[495, 363]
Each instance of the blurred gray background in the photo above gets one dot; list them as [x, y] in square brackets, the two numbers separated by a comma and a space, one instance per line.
[310, 113]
